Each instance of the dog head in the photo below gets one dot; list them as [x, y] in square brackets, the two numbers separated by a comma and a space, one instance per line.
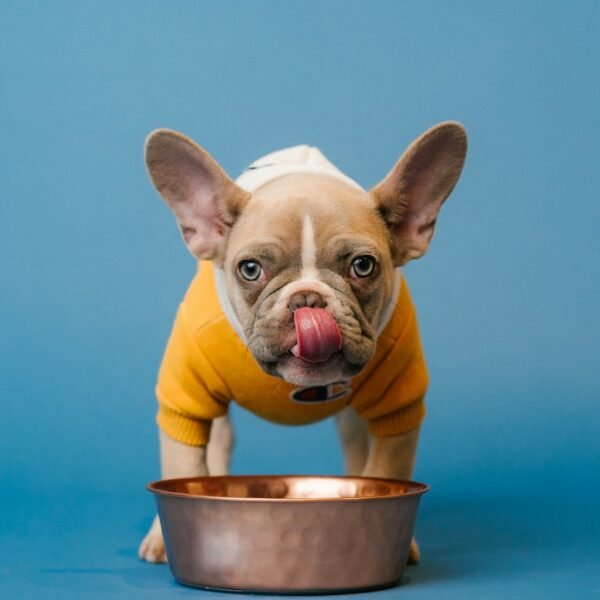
[308, 257]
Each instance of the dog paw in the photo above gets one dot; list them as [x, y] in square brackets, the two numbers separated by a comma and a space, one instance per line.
[414, 554]
[152, 548]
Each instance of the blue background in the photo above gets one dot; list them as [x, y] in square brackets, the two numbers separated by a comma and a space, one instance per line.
[93, 267]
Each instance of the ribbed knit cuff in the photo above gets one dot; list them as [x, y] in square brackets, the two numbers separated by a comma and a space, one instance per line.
[403, 420]
[193, 432]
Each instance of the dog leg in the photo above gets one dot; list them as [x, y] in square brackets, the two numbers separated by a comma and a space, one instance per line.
[354, 437]
[177, 460]
[393, 457]
[220, 446]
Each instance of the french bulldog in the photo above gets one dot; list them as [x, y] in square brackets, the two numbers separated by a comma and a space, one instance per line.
[299, 310]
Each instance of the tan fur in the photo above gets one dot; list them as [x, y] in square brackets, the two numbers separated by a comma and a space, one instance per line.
[274, 220]
[205, 201]
[176, 460]
[220, 221]
[413, 192]
[354, 437]
[220, 447]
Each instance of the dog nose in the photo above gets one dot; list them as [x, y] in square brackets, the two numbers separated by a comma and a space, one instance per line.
[307, 298]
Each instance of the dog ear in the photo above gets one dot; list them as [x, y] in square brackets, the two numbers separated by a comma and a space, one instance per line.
[206, 202]
[411, 195]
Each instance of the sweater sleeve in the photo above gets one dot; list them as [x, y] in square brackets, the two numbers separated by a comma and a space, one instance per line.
[186, 403]
[392, 398]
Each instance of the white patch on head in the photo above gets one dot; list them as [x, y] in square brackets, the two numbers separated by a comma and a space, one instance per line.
[309, 280]
[309, 250]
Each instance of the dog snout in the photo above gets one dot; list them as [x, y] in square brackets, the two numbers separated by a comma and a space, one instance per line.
[307, 298]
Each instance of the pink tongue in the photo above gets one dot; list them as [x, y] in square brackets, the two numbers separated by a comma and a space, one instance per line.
[318, 335]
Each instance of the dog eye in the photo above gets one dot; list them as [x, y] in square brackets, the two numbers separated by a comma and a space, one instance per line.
[362, 266]
[250, 270]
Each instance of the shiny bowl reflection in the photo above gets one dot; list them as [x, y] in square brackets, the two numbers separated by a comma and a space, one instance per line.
[287, 534]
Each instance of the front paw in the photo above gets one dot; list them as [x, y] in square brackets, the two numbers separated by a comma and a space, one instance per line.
[414, 554]
[152, 548]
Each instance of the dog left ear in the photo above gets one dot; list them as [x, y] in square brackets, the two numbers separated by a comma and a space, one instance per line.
[411, 195]
[206, 202]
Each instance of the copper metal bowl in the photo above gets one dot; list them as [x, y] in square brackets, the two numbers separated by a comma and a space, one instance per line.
[287, 534]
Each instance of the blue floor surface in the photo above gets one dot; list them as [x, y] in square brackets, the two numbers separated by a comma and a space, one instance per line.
[486, 546]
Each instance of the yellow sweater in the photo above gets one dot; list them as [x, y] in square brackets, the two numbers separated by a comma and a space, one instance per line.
[206, 365]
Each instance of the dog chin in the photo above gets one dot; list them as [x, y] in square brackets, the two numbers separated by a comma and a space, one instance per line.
[296, 371]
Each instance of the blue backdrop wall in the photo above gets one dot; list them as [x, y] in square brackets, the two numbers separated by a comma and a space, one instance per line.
[93, 267]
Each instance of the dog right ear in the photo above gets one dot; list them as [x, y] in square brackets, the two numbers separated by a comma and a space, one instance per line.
[206, 202]
[411, 195]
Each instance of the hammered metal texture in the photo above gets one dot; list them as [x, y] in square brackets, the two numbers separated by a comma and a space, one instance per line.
[287, 534]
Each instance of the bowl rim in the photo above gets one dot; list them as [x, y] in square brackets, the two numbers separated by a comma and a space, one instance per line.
[418, 488]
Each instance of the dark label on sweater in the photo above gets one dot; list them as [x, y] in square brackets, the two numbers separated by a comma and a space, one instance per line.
[321, 393]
